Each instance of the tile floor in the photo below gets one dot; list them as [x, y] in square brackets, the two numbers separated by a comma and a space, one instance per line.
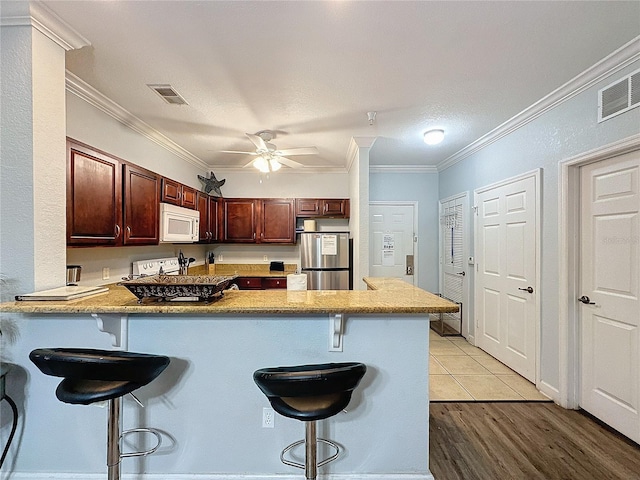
[459, 371]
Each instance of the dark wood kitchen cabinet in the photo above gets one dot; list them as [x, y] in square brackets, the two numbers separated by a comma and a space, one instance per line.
[261, 283]
[277, 220]
[109, 202]
[178, 194]
[94, 197]
[249, 220]
[322, 207]
[141, 217]
[239, 220]
[208, 208]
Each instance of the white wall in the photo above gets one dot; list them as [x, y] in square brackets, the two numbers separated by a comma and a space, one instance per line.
[33, 175]
[567, 130]
[421, 188]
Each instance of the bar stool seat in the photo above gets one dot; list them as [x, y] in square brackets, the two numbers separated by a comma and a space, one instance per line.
[309, 393]
[97, 375]
[91, 376]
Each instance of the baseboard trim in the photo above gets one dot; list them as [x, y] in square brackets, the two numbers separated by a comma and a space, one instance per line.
[211, 476]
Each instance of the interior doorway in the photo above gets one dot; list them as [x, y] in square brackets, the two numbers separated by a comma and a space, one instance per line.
[600, 338]
[393, 240]
[507, 250]
[455, 268]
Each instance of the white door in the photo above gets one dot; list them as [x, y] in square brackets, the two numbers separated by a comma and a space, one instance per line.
[506, 309]
[454, 272]
[609, 277]
[391, 242]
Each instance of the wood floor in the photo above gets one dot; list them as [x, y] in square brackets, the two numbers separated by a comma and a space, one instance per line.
[525, 441]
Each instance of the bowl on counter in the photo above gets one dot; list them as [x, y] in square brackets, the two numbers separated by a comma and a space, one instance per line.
[174, 287]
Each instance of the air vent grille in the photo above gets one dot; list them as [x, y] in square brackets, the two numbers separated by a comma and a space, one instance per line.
[168, 94]
[619, 97]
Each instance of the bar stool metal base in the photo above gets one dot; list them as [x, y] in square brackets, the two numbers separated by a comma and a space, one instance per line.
[114, 437]
[311, 444]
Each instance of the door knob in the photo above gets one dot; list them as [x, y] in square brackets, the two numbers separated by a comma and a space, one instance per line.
[461, 273]
[528, 289]
[586, 300]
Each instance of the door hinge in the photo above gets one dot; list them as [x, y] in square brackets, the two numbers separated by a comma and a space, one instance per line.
[475, 209]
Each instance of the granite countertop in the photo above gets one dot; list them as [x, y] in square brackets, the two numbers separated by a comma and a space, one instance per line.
[389, 297]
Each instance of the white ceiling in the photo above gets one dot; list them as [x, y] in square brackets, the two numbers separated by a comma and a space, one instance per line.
[311, 70]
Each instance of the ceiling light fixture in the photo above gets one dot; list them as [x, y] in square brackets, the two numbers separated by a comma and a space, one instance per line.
[372, 117]
[266, 165]
[433, 137]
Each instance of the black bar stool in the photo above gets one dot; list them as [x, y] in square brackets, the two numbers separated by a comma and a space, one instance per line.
[91, 376]
[310, 393]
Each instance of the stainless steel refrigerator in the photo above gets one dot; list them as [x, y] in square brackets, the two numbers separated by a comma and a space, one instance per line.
[325, 258]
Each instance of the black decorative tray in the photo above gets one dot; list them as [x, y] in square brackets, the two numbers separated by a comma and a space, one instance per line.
[172, 287]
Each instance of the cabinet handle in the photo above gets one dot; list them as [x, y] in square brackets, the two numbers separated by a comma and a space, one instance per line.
[117, 231]
[179, 195]
[128, 231]
[254, 235]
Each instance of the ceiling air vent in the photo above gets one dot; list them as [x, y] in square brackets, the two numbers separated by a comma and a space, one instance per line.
[168, 93]
[619, 97]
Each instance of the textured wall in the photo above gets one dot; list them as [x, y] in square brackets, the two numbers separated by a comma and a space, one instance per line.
[567, 130]
[32, 178]
[421, 188]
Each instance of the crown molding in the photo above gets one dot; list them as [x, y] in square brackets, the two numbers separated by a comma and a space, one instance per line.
[403, 169]
[282, 171]
[86, 92]
[40, 17]
[611, 64]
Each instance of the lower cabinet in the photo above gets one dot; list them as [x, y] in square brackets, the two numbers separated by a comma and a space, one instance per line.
[261, 283]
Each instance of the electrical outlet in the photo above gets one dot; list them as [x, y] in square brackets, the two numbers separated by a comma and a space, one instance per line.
[105, 273]
[268, 417]
[265, 258]
[220, 258]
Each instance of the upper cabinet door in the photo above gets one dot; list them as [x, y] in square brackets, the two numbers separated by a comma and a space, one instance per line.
[208, 208]
[141, 206]
[178, 194]
[322, 207]
[239, 220]
[335, 207]
[308, 207]
[94, 197]
[189, 197]
[277, 220]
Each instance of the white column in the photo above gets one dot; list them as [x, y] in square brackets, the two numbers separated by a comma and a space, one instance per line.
[32, 149]
[358, 165]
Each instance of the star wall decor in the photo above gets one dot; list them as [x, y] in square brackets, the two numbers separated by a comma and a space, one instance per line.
[212, 184]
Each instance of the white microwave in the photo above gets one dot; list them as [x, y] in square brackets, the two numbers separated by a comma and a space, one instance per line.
[178, 224]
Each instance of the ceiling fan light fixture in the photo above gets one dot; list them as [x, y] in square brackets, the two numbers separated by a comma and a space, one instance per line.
[261, 164]
[433, 137]
[275, 165]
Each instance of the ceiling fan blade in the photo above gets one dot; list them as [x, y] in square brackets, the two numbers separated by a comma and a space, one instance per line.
[288, 162]
[298, 151]
[248, 164]
[236, 151]
[257, 141]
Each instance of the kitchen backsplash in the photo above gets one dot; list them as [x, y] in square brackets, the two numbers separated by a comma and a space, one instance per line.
[118, 259]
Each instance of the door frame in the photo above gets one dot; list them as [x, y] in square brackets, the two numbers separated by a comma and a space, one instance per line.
[467, 316]
[537, 175]
[569, 264]
[416, 237]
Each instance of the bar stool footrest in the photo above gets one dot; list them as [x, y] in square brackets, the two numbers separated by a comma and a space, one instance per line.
[143, 453]
[302, 465]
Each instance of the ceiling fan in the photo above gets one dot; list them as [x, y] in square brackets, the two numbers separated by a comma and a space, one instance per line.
[268, 157]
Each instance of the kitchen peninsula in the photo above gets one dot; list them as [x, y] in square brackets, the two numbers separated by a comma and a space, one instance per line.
[206, 402]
